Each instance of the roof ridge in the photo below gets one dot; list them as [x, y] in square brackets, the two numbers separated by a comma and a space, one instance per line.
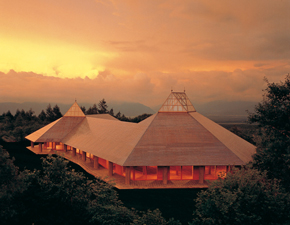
[225, 144]
[73, 128]
[141, 137]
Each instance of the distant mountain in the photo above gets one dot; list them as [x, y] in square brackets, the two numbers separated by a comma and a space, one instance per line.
[226, 108]
[127, 108]
[130, 108]
[223, 111]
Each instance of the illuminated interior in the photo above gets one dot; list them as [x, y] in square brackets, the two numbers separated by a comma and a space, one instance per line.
[143, 173]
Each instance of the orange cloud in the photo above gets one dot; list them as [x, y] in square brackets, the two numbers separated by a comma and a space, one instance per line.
[150, 89]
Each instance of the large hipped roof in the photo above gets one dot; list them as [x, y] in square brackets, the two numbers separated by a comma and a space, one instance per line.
[168, 138]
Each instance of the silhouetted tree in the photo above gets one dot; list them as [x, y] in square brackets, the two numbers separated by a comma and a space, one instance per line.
[42, 115]
[272, 117]
[93, 110]
[56, 112]
[52, 114]
[59, 195]
[11, 184]
[9, 116]
[111, 112]
[83, 108]
[118, 115]
[49, 113]
[244, 197]
[103, 107]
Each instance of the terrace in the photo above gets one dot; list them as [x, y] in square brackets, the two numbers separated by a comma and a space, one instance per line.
[138, 180]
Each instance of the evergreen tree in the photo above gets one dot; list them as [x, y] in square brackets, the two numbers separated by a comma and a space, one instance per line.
[118, 115]
[56, 112]
[9, 116]
[29, 115]
[42, 115]
[83, 108]
[49, 113]
[93, 110]
[17, 113]
[111, 112]
[103, 107]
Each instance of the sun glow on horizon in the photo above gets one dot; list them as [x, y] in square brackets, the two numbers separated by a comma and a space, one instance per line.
[52, 58]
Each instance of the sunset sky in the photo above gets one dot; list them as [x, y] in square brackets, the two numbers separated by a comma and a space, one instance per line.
[59, 50]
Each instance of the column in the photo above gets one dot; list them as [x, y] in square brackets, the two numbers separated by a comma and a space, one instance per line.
[201, 174]
[32, 144]
[40, 147]
[96, 162]
[65, 147]
[84, 156]
[45, 145]
[110, 168]
[128, 175]
[145, 171]
[193, 172]
[165, 174]
[229, 169]
[53, 146]
[74, 152]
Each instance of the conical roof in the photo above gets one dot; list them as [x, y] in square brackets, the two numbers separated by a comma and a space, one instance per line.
[177, 102]
[58, 129]
[74, 111]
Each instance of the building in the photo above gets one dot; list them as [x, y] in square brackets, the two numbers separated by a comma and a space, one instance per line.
[175, 148]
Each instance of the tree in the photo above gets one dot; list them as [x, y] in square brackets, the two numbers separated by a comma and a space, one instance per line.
[118, 115]
[152, 218]
[93, 110]
[103, 107]
[11, 183]
[8, 171]
[244, 197]
[49, 113]
[59, 195]
[42, 115]
[29, 115]
[83, 108]
[56, 112]
[52, 114]
[273, 118]
[111, 112]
